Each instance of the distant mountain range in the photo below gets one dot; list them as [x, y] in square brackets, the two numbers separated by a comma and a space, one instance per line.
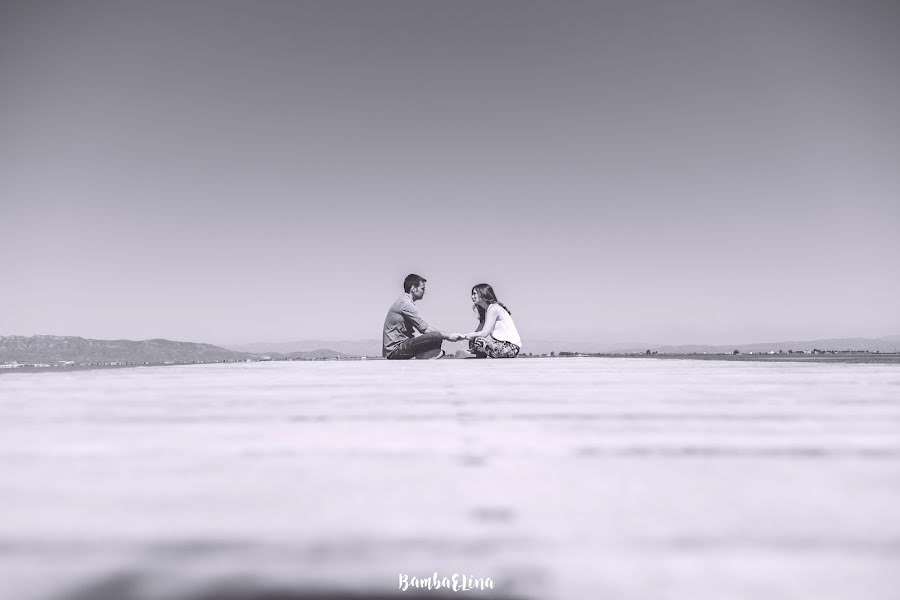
[371, 347]
[51, 349]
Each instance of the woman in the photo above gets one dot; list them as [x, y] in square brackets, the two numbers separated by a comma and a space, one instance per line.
[497, 336]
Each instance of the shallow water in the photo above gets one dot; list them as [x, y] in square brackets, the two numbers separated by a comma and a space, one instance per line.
[556, 478]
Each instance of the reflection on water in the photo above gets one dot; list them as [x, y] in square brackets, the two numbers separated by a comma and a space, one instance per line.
[569, 478]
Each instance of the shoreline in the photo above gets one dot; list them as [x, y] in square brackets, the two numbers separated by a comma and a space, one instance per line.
[829, 358]
[91, 367]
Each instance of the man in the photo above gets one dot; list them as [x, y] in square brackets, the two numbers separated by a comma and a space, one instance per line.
[398, 341]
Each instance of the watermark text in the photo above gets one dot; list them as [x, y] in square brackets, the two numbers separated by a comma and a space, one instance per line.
[456, 582]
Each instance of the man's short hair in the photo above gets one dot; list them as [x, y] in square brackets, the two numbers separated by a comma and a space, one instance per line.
[412, 280]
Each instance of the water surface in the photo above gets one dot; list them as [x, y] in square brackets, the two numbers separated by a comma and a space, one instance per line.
[557, 478]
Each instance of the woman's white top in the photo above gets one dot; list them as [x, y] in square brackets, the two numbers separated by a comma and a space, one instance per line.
[504, 328]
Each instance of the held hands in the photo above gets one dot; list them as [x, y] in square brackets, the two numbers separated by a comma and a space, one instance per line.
[455, 337]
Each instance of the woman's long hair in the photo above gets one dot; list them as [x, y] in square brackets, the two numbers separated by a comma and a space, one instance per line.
[486, 292]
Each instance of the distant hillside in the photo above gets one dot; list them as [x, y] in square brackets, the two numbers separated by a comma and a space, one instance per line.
[51, 349]
[370, 347]
[310, 355]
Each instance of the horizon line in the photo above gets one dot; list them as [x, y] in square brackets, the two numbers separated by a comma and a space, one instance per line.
[636, 344]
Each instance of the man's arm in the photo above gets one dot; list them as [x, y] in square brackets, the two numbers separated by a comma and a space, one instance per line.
[410, 312]
[451, 337]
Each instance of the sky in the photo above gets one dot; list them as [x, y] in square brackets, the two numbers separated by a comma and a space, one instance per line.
[664, 172]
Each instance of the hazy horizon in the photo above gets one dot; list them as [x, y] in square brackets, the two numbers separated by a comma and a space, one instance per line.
[663, 173]
[574, 340]
[273, 345]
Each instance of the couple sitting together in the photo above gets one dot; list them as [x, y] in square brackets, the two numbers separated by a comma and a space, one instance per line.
[496, 336]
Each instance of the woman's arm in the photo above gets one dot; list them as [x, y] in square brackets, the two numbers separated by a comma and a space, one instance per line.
[490, 319]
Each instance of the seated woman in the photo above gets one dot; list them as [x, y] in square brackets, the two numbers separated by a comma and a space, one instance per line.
[497, 336]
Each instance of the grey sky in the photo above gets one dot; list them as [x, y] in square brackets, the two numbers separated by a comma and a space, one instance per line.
[668, 172]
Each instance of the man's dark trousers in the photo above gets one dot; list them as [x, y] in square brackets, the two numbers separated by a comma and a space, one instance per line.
[414, 346]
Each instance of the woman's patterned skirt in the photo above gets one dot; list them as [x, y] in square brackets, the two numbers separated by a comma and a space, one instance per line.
[491, 347]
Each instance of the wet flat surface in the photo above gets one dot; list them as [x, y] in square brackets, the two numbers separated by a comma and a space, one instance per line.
[565, 478]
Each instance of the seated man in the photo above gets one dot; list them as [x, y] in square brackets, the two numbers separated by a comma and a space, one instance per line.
[402, 318]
